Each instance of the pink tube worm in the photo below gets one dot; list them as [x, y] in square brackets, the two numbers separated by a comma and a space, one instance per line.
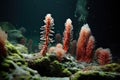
[82, 42]
[103, 56]
[46, 33]
[67, 35]
[89, 49]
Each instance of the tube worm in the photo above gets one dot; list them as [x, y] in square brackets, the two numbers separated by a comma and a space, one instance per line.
[82, 42]
[67, 34]
[89, 49]
[103, 56]
[46, 33]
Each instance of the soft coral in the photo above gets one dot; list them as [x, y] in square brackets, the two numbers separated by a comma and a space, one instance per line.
[67, 34]
[3, 38]
[46, 33]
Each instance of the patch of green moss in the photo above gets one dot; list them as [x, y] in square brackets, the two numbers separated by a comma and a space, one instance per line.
[11, 49]
[93, 75]
[6, 65]
[14, 66]
[66, 72]
[49, 66]
[22, 48]
[56, 68]
[113, 67]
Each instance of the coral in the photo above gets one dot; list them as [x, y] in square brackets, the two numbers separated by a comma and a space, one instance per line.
[2, 49]
[59, 45]
[82, 42]
[67, 34]
[16, 65]
[103, 56]
[60, 52]
[3, 35]
[46, 33]
[89, 49]
[51, 50]
[3, 39]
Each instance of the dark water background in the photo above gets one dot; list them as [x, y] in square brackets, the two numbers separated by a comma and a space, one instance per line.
[30, 14]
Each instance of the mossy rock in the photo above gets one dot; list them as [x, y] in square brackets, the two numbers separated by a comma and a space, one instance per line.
[11, 49]
[56, 68]
[66, 72]
[22, 49]
[93, 75]
[49, 66]
[113, 67]
[15, 67]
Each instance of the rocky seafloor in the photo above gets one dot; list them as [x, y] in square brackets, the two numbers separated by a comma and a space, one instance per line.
[18, 65]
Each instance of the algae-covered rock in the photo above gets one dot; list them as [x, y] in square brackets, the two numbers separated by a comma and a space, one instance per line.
[109, 71]
[58, 70]
[95, 75]
[72, 64]
[21, 48]
[49, 66]
[113, 67]
[15, 67]
[66, 72]
[11, 48]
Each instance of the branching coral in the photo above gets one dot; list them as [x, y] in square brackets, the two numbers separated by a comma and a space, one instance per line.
[67, 35]
[46, 33]
[103, 56]
[3, 38]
